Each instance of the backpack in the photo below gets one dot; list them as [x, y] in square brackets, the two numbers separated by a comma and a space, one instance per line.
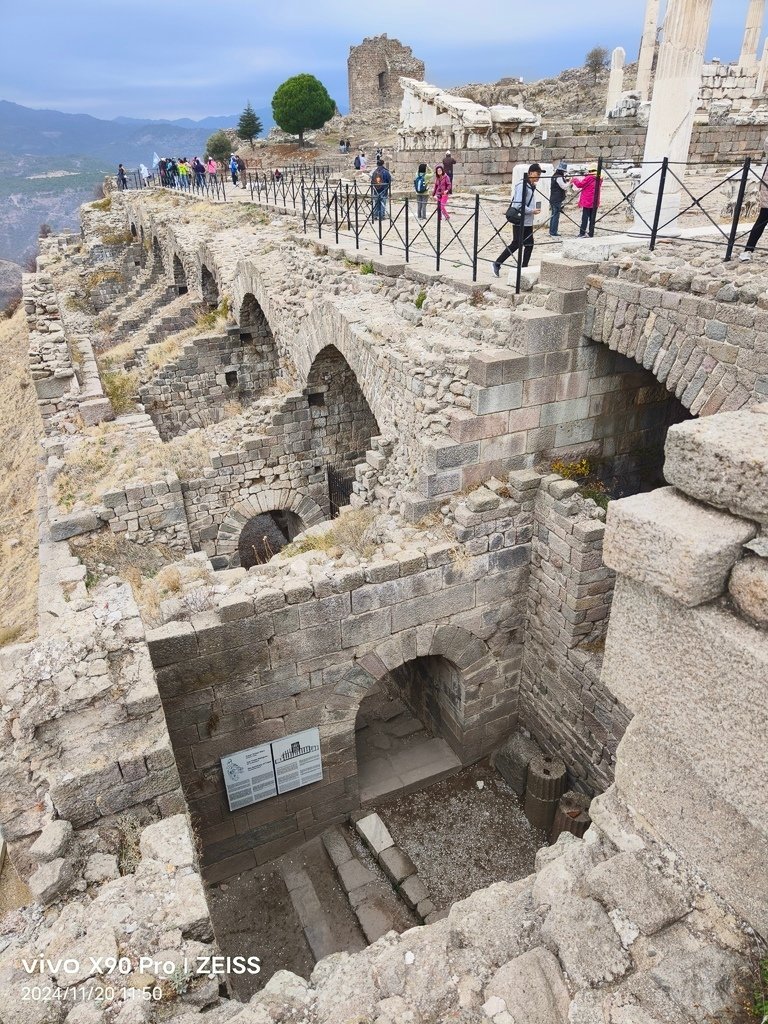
[377, 178]
[357, 163]
[419, 183]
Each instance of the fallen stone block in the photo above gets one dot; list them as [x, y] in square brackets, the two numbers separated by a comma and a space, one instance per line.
[413, 891]
[353, 874]
[643, 895]
[51, 880]
[375, 833]
[52, 841]
[374, 919]
[748, 586]
[101, 867]
[336, 847]
[512, 759]
[532, 988]
[397, 865]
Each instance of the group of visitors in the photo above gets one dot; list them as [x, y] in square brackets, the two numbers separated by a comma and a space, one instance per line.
[182, 173]
[344, 145]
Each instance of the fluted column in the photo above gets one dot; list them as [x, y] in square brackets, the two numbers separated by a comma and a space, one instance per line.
[762, 73]
[675, 100]
[616, 80]
[752, 31]
[647, 49]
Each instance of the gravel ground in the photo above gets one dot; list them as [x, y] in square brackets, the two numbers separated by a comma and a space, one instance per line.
[462, 838]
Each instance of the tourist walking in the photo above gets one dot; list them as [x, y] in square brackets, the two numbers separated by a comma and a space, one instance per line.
[449, 163]
[762, 219]
[589, 200]
[441, 190]
[381, 179]
[524, 198]
[242, 170]
[233, 168]
[122, 180]
[420, 187]
[171, 171]
[213, 169]
[558, 190]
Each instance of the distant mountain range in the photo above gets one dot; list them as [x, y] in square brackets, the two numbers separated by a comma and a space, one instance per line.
[82, 149]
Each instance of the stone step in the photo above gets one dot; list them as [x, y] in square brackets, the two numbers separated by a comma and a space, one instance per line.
[327, 920]
[405, 771]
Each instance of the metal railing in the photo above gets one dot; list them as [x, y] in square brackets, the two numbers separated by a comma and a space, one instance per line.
[477, 227]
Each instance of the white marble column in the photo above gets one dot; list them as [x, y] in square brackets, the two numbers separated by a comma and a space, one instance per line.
[762, 73]
[752, 32]
[616, 80]
[647, 49]
[675, 100]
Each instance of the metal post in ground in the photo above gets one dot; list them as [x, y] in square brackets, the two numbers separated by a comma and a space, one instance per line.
[737, 210]
[319, 214]
[357, 220]
[303, 207]
[407, 233]
[336, 215]
[475, 236]
[596, 200]
[349, 222]
[437, 239]
[659, 201]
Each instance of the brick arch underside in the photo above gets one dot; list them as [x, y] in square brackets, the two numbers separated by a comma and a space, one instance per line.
[268, 500]
[481, 680]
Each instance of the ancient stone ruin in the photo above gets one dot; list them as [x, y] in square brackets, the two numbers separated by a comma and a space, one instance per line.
[374, 69]
[321, 528]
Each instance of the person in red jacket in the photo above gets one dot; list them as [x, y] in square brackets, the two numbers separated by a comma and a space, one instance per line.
[589, 199]
[441, 190]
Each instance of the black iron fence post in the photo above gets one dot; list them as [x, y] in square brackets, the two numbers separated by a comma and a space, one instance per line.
[303, 207]
[319, 214]
[357, 219]
[737, 210]
[596, 200]
[336, 215]
[349, 222]
[475, 236]
[437, 238]
[659, 202]
[407, 234]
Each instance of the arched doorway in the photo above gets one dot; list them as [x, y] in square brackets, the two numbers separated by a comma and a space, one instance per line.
[408, 728]
[259, 344]
[209, 288]
[342, 422]
[179, 276]
[278, 515]
[266, 534]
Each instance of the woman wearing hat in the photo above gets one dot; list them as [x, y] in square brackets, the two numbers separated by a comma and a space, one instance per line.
[589, 199]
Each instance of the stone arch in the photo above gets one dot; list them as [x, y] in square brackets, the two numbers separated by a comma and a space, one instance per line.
[478, 677]
[179, 276]
[209, 287]
[158, 265]
[264, 502]
[342, 422]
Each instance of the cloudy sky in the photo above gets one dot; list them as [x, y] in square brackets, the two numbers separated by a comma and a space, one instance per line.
[189, 58]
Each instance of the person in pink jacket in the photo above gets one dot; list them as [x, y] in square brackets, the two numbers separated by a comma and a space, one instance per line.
[589, 199]
[441, 190]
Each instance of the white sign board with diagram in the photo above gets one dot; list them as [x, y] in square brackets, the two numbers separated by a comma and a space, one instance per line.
[259, 773]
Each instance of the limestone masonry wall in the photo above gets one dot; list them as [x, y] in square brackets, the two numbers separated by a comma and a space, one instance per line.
[374, 69]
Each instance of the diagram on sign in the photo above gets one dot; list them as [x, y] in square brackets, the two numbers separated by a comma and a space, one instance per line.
[259, 773]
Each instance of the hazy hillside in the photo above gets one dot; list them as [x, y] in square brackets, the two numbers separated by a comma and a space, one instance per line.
[51, 162]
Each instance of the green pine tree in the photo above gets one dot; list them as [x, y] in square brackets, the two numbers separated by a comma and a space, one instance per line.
[302, 102]
[249, 126]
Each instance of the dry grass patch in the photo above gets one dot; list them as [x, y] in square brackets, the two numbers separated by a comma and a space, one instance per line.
[121, 388]
[352, 531]
[20, 430]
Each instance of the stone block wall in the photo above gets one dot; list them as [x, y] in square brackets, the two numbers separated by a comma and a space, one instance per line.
[374, 69]
[563, 703]
[291, 656]
[704, 348]
[211, 373]
[687, 651]
[581, 143]
[730, 82]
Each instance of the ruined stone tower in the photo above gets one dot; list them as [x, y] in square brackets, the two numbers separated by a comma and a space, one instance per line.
[374, 68]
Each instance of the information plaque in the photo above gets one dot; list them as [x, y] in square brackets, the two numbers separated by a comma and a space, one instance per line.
[297, 760]
[259, 773]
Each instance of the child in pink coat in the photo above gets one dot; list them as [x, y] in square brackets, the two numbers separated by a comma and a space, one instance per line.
[589, 199]
[441, 190]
